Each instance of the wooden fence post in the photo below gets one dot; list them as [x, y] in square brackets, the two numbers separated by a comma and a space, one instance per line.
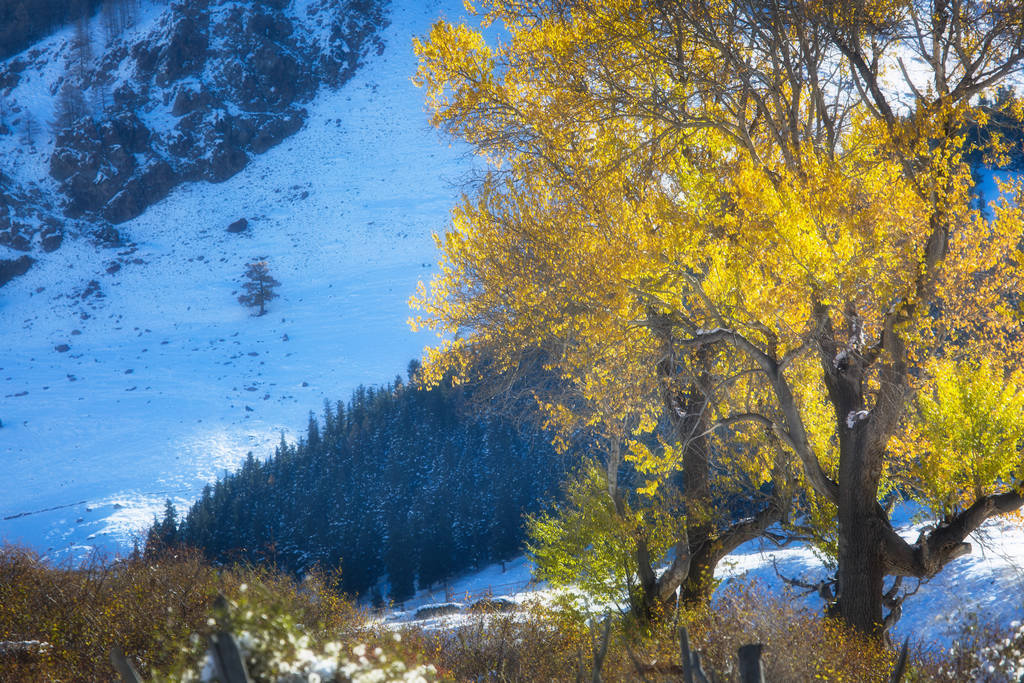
[124, 668]
[228, 658]
[693, 672]
[684, 652]
[750, 663]
[901, 663]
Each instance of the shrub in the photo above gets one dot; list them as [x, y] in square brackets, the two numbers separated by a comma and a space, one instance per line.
[1003, 658]
[550, 644]
[152, 608]
[982, 651]
[800, 645]
[161, 611]
[82, 613]
[277, 647]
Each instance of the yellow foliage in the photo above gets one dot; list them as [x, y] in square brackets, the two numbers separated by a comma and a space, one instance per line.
[655, 181]
[968, 437]
[587, 545]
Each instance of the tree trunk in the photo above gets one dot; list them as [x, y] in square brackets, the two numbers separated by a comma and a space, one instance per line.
[697, 553]
[693, 568]
[697, 586]
[685, 406]
[659, 597]
[861, 559]
[691, 425]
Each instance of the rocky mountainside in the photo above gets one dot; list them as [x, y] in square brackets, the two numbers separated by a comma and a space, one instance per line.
[105, 117]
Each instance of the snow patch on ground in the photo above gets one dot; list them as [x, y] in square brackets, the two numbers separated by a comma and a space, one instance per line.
[988, 583]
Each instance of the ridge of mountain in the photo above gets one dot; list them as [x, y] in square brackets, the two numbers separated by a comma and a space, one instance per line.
[120, 109]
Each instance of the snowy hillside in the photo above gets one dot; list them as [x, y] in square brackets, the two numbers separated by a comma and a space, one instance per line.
[131, 374]
[105, 117]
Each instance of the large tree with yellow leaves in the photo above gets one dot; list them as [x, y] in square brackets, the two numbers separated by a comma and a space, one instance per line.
[751, 221]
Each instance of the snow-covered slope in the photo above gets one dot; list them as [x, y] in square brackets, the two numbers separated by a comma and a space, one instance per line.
[167, 380]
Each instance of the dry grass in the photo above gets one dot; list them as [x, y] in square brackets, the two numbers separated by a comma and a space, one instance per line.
[148, 607]
[542, 644]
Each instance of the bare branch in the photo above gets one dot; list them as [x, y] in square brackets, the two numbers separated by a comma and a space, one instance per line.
[824, 588]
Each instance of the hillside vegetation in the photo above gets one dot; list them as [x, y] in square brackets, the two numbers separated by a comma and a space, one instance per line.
[404, 483]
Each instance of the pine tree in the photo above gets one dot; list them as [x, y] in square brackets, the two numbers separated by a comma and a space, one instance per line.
[164, 533]
[30, 131]
[70, 108]
[82, 45]
[259, 286]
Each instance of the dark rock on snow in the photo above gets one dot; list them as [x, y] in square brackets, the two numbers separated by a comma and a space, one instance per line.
[10, 269]
[440, 609]
[241, 225]
[51, 238]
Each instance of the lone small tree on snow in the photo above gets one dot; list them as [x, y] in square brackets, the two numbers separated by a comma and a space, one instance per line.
[259, 286]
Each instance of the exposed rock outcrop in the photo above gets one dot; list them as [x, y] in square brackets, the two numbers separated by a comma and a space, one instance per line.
[192, 95]
[214, 83]
[24, 221]
[12, 268]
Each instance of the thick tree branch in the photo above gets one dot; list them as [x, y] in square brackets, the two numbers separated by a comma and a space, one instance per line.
[749, 528]
[673, 577]
[946, 542]
[798, 439]
[863, 74]
[771, 425]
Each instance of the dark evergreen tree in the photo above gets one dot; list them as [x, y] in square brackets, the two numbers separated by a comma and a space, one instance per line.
[30, 130]
[81, 46]
[259, 286]
[70, 107]
[164, 533]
